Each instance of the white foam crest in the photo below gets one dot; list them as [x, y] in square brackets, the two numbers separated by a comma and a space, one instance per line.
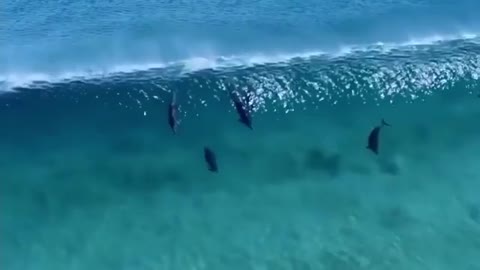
[430, 40]
[23, 79]
[411, 42]
[199, 63]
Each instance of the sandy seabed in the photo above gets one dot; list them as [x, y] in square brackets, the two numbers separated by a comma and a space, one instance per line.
[301, 191]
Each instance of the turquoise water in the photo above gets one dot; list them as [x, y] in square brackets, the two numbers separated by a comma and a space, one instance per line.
[93, 178]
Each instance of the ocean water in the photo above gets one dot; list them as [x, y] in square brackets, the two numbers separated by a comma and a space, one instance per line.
[93, 177]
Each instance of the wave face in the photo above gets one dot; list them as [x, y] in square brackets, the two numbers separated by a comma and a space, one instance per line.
[294, 52]
[370, 74]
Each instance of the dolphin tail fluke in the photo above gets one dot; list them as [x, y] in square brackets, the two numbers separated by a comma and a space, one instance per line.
[384, 123]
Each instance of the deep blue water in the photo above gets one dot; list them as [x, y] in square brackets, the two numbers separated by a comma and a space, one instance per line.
[93, 178]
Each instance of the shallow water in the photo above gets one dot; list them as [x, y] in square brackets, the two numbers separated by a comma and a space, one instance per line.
[87, 184]
[93, 177]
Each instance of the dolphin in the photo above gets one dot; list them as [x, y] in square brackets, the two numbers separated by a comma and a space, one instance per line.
[374, 137]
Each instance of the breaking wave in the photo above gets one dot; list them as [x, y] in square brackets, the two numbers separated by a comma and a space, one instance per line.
[373, 72]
